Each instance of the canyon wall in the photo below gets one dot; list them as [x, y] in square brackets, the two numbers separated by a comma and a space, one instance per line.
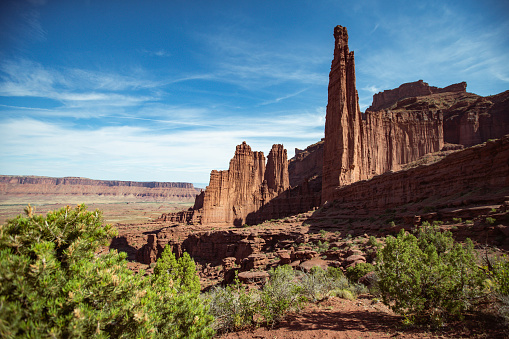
[306, 164]
[11, 186]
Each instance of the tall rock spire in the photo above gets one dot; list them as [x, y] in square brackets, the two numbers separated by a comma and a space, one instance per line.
[343, 124]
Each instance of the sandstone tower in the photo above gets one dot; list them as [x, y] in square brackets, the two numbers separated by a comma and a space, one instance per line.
[358, 147]
[342, 149]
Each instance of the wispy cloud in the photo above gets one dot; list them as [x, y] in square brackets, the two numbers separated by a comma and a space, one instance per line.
[74, 88]
[442, 46]
[166, 152]
[249, 63]
[284, 97]
[157, 53]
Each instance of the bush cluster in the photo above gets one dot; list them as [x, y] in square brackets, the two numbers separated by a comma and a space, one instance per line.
[53, 284]
[354, 273]
[429, 277]
[235, 306]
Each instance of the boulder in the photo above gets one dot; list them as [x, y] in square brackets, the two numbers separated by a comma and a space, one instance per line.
[252, 277]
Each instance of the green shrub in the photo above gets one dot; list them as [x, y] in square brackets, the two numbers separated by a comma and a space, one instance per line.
[52, 284]
[280, 295]
[428, 278]
[354, 273]
[456, 220]
[490, 220]
[500, 277]
[335, 273]
[373, 242]
[342, 293]
[322, 246]
[316, 284]
[233, 306]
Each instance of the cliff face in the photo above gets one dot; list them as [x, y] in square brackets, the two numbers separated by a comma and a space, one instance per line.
[482, 170]
[470, 122]
[45, 186]
[234, 193]
[306, 165]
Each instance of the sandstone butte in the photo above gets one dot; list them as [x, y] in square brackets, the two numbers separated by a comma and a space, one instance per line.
[400, 127]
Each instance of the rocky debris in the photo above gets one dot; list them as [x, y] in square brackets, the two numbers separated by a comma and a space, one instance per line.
[46, 186]
[284, 257]
[307, 265]
[353, 260]
[304, 255]
[254, 262]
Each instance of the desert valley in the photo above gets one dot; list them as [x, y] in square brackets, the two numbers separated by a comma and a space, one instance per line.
[419, 155]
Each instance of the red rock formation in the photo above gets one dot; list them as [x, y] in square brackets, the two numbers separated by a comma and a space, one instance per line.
[481, 170]
[343, 135]
[41, 186]
[237, 194]
[388, 98]
[357, 149]
[276, 172]
[306, 164]
[470, 122]
[232, 194]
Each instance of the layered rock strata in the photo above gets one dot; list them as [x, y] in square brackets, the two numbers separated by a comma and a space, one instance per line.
[358, 147]
[481, 170]
[306, 165]
[46, 186]
[470, 122]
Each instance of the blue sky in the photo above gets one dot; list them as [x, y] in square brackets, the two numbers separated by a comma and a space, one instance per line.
[164, 90]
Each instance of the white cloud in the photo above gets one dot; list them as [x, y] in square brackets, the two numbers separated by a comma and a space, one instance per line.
[165, 153]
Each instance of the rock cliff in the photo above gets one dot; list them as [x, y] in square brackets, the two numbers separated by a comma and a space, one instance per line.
[477, 119]
[46, 186]
[478, 171]
[236, 195]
